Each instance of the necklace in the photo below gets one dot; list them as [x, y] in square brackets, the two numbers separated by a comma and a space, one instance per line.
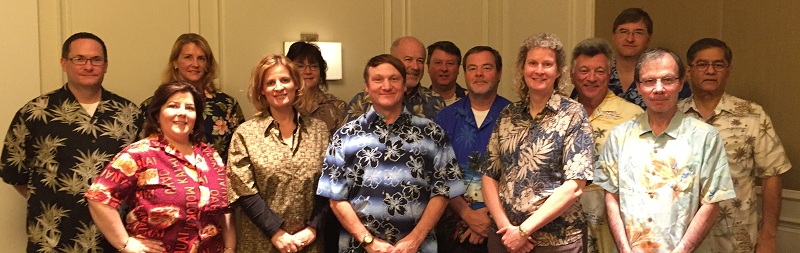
[190, 162]
[192, 169]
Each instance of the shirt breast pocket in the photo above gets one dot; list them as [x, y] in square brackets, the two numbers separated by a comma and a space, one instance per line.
[686, 176]
[151, 183]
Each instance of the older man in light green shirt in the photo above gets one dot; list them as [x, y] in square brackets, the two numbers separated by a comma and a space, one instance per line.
[664, 172]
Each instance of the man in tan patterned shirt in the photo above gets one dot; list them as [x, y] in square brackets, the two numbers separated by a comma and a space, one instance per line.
[753, 149]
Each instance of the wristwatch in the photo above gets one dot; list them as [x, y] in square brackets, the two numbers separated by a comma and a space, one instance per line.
[367, 239]
[522, 232]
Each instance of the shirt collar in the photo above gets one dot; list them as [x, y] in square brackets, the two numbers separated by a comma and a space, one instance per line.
[272, 124]
[413, 91]
[726, 104]
[460, 91]
[672, 128]
[554, 103]
[372, 116]
[599, 109]
[104, 95]
[158, 140]
[318, 99]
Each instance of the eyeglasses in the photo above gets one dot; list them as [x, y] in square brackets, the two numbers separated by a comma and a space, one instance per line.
[80, 60]
[310, 66]
[666, 81]
[636, 33]
[703, 66]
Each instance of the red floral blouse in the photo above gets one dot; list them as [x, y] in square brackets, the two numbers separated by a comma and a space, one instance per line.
[171, 199]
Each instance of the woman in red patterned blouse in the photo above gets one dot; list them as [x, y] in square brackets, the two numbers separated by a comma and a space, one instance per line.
[174, 184]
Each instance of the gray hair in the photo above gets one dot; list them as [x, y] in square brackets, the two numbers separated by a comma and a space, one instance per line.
[656, 54]
[539, 40]
[591, 47]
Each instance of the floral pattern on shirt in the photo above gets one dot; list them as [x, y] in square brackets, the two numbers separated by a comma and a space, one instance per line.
[221, 116]
[531, 157]
[469, 141]
[284, 174]
[55, 148]
[671, 174]
[610, 113]
[329, 109]
[172, 199]
[754, 151]
[420, 101]
[388, 173]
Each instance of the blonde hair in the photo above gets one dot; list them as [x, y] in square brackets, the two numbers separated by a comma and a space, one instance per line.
[539, 40]
[171, 73]
[257, 82]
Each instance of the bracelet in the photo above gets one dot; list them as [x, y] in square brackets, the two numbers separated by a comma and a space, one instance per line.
[522, 232]
[227, 248]
[126, 244]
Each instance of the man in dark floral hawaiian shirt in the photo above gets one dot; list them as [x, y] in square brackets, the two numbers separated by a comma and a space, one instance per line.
[57, 144]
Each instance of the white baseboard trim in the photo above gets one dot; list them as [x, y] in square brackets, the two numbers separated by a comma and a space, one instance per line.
[790, 212]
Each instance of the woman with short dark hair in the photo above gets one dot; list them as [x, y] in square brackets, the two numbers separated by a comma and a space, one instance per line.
[174, 184]
[316, 102]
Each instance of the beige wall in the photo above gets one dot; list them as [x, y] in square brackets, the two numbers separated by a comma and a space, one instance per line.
[139, 36]
[765, 42]
[19, 78]
[241, 32]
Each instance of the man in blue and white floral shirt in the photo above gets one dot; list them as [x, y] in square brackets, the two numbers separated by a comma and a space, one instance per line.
[389, 174]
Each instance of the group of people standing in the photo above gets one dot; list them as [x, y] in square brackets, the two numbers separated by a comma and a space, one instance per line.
[617, 165]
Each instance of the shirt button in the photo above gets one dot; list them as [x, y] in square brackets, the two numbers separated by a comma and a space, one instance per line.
[649, 219]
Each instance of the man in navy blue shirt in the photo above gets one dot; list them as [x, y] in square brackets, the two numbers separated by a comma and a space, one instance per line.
[469, 123]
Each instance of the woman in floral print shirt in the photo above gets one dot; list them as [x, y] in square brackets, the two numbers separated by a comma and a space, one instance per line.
[191, 60]
[538, 159]
[174, 184]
